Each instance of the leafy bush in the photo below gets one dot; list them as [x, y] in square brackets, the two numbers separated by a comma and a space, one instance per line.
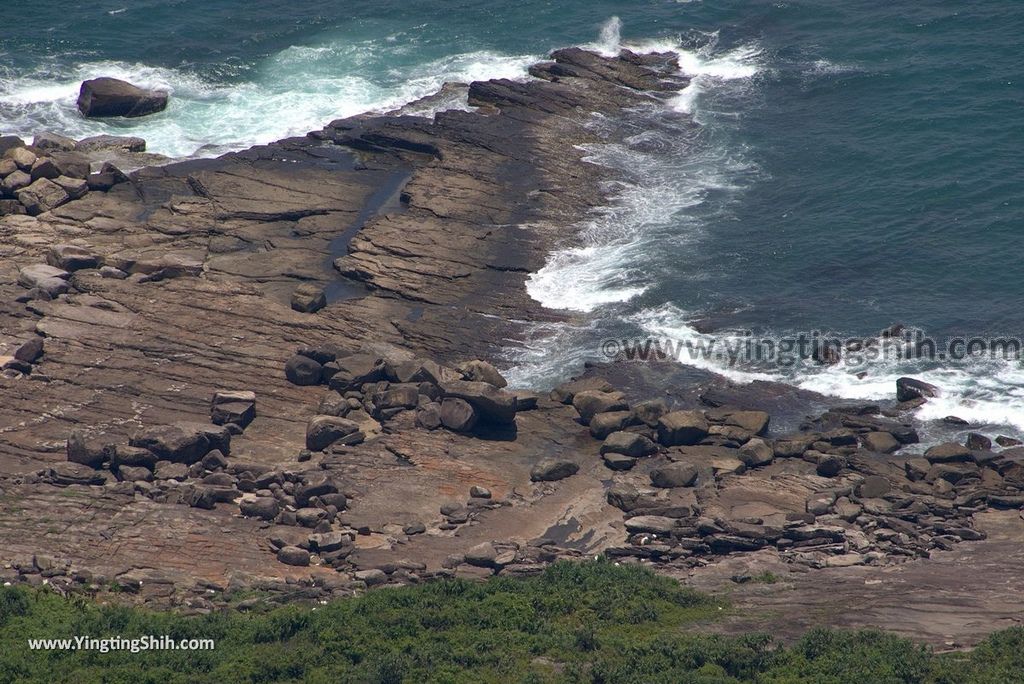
[577, 622]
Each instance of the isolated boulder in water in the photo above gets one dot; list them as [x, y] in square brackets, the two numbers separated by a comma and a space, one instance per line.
[101, 97]
[908, 389]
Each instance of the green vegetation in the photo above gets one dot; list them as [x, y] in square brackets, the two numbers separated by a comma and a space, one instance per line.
[578, 622]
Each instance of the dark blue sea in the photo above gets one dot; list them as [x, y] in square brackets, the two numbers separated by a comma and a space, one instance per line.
[833, 166]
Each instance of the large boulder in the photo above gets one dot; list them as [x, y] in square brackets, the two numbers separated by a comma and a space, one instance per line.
[88, 451]
[44, 277]
[481, 371]
[302, 370]
[628, 443]
[674, 475]
[323, 431]
[350, 373]
[589, 403]
[682, 428]
[42, 196]
[492, 404]
[105, 97]
[909, 389]
[71, 257]
[458, 415]
[553, 469]
[183, 442]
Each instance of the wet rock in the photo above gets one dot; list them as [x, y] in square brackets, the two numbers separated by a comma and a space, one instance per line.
[109, 97]
[323, 431]
[1004, 441]
[630, 444]
[293, 555]
[458, 415]
[553, 469]
[308, 298]
[674, 475]
[481, 371]
[303, 371]
[909, 389]
[978, 442]
[682, 428]
[44, 167]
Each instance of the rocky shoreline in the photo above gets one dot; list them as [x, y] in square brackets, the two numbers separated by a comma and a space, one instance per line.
[269, 371]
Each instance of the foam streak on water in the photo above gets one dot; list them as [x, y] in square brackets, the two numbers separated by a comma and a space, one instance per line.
[293, 92]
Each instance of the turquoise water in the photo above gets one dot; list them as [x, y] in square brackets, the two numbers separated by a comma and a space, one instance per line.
[855, 164]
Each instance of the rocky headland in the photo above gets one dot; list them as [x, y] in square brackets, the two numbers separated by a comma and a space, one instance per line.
[276, 370]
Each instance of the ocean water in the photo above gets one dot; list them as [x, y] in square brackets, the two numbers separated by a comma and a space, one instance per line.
[833, 167]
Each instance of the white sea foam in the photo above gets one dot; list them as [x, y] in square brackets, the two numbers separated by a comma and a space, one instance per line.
[298, 90]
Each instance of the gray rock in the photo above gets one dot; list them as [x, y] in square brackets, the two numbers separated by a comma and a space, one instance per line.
[429, 416]
[880, 442]
[320, 486]
[553, 469]
[88, 451]
[493, 405]
[262, 507]
[756, 453]
[293, 555]
[873, 487]
[458, 415]
[909, 389]
[30, 351]
[589, 403]
[948, 452]
[236, 413]
[134, 474]
[135, 457]
[166, 470]
[567, 391]
[354, 371]
[650, 411]
[303, 371]
[630, 444]
[308, 298]
[830, 465]
[44, 168]
[42, 196]
[184, 442]
[44, 277]
[371, 577]
[24, 158]
[618, 462]
[682, 428]
[108, 97]
[674, 475]
[16, 181]
[323, 431]
[111, 143]
[71, 258]
[53, 141]
[478, 492]
[76, 188]
[481, 371]
[655, 524]
[604, 424]
[482, 555]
